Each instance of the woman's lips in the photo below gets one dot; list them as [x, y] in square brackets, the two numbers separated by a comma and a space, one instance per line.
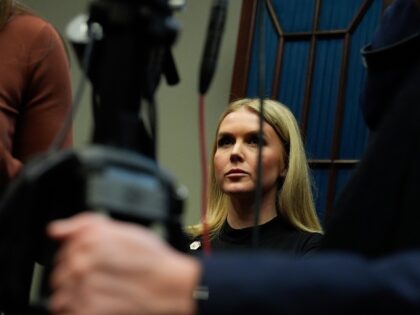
[236, 172]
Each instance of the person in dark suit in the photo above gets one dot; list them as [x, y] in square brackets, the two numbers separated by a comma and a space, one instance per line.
[371, 259]
[112, 268]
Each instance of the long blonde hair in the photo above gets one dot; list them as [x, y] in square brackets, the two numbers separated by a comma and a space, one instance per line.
[295, 200]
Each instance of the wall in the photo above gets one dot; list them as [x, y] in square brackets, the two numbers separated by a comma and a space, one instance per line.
[177, 106]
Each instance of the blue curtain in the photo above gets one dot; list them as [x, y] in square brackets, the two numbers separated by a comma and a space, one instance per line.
[297, 16]
[321, 178]
[292, 87]
[354, 135]
[271, 42]
[337, 14]
[324, 99]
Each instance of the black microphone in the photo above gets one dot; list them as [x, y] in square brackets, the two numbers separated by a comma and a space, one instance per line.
[211, 49]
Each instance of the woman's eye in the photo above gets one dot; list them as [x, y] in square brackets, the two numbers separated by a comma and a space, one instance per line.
[224, 141]
[254, 140]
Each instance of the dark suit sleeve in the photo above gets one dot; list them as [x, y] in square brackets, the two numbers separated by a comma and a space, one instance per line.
[325, 284]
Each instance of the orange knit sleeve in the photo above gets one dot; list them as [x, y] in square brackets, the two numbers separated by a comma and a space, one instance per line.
[47, 95]
[35, 91]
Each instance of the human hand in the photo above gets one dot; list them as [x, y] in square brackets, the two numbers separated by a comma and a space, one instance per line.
[105, 267]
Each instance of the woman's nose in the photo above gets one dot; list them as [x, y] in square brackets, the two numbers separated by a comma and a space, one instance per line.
[237, 152]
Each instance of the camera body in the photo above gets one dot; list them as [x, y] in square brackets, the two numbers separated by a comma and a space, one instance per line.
[122, 184]
[118, 183]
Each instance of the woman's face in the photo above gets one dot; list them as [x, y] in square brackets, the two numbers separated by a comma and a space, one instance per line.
[235, 160]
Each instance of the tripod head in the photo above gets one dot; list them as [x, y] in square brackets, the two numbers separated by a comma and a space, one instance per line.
[126, 66]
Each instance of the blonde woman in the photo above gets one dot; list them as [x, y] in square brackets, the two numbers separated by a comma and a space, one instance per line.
[35, 92]
[288, 220]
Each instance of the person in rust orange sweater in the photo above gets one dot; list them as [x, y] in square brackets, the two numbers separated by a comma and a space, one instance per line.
[35, 88]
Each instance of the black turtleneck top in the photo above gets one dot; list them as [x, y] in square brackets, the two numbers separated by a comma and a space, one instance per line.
[276, 234]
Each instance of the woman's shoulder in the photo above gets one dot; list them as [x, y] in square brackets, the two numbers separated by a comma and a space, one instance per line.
[27, 23]
[31, 30]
